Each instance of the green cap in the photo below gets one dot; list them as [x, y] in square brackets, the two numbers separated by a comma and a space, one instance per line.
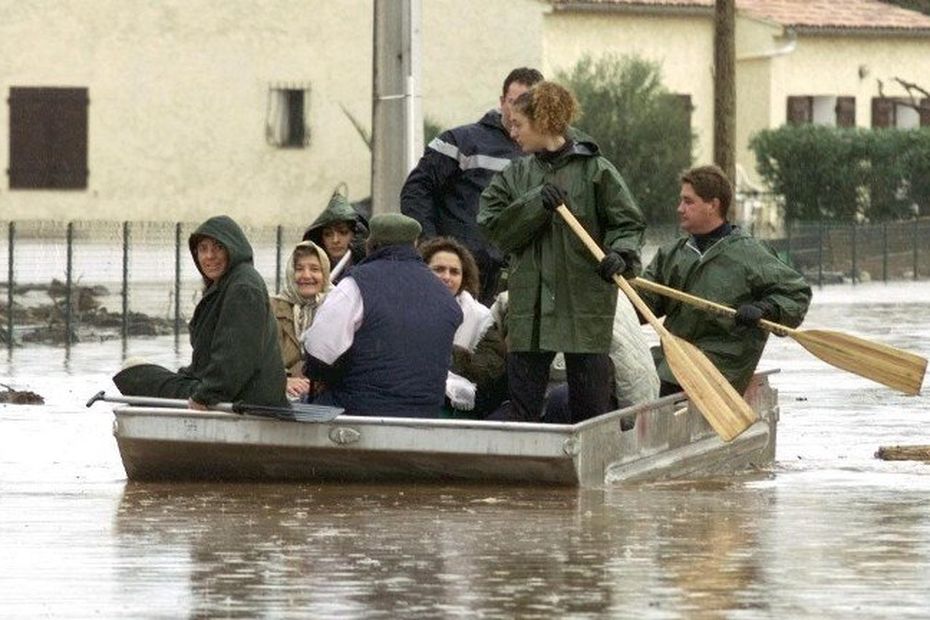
[393, 229]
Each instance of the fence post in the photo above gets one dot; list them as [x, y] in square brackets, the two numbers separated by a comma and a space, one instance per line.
[279, 233]
[9, 287]
[177, 279]
[788, 242]
[69, 245]
[885, 251]
[855, 270]
[125, 293]
[820, 254]
[916, 241]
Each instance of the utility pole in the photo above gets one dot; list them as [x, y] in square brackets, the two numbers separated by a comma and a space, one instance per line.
[396, 115]
[725, 86]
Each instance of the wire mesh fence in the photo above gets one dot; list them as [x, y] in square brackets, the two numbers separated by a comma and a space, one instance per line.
[89, 280]
[831, 253]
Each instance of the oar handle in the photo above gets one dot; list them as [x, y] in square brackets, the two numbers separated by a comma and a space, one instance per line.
[706, 304]
[598, 254]
[151, 401]
[340, 265]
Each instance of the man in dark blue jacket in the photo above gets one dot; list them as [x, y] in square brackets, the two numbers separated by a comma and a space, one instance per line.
[442, 192]
[382, 340]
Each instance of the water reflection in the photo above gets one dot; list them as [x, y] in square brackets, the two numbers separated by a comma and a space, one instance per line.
[442, 551]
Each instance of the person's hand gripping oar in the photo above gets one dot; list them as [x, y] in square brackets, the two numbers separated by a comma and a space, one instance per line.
[899, 370]
[708, 390]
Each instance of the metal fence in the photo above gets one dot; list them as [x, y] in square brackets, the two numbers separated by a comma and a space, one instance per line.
[88, 280]
[830, 253]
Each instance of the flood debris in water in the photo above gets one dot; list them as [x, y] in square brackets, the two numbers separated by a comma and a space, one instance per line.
[47, 321]
[20, 397]
[904, 453]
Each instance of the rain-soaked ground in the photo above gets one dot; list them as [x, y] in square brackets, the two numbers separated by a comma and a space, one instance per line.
[831, 533]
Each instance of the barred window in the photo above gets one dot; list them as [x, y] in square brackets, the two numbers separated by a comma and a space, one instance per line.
[286, 123]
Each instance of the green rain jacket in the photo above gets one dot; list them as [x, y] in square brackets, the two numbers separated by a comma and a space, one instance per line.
[736, 270]
[233, 333]
[557, 300]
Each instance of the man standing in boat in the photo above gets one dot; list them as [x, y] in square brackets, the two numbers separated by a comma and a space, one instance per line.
[720, 262]
[442, 192]
[381, 343]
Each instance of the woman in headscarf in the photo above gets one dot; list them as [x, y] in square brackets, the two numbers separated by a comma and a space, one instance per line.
[305, 286]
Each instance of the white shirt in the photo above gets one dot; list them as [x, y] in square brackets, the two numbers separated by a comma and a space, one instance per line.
[337, 319]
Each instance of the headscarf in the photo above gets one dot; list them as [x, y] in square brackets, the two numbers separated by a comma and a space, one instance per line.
[304, 308]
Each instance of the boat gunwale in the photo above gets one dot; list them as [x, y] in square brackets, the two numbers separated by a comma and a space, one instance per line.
[484, 425]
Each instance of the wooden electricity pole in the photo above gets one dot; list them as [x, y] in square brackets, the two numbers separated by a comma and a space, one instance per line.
[396, 116]
[725, 86]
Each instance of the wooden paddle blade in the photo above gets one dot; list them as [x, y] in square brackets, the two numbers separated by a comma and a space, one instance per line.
[899, 370]
[709, 391]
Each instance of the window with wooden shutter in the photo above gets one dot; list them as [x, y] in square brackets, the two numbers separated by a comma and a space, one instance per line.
[883, 112]
[48, 138]
[800, 110]
[845, 111]
[925, 112]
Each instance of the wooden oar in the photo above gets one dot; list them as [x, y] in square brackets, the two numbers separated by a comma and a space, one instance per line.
[295, 412]
[899, 370]
[708, 390]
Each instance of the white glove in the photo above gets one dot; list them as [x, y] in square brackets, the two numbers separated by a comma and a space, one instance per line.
[461, 392]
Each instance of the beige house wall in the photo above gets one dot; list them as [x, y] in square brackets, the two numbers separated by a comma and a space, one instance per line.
[683, 45]
[850, 66]
[469, 48]
[179, 91]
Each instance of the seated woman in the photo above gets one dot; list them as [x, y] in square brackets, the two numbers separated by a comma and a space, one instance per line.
[477, 381]
[305, 286]
[235, 356]
[339, 230]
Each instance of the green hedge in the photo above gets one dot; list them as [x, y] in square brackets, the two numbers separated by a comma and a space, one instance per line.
[846, 174]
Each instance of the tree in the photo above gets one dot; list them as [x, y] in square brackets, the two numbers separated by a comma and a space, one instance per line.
[644, 130]
[915, 5]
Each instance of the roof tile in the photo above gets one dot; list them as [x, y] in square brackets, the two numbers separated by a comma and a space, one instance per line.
[827, 14]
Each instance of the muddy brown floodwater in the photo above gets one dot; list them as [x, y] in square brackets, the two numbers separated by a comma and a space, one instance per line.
[830, 532]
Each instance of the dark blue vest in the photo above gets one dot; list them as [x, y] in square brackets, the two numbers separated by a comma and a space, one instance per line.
[399, 357]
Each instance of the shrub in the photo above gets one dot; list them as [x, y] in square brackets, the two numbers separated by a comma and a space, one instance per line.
[845, 174]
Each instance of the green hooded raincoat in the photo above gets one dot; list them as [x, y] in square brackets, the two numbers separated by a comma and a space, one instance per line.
[557, 300]
[737, 269]
[235, 356]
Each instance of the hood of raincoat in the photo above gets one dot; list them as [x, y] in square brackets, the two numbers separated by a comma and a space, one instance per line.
[339, 209]
[225, 230]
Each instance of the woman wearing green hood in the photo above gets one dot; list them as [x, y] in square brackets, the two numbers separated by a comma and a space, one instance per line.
[339, 230]
[235, 356]
[305, 286]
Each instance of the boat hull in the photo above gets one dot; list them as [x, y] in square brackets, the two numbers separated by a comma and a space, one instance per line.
[668, 440]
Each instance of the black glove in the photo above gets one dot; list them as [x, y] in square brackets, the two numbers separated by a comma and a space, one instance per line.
[748, 315]
[612, 264]
[552, 197]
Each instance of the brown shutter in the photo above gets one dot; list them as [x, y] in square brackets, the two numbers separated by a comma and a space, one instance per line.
[48, 138]
[845, 111]
[882, 112]
[800, 110]
[925, 112]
